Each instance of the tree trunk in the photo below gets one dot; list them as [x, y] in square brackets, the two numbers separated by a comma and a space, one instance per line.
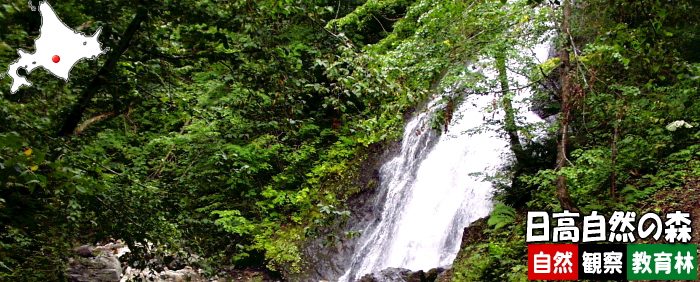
[562, 189]
[510, 126]
[616, 132]
[76, 113]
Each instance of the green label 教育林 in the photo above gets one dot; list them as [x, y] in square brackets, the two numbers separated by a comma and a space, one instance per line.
[662, 261]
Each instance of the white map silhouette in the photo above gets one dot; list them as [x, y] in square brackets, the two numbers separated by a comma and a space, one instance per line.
[55, 39]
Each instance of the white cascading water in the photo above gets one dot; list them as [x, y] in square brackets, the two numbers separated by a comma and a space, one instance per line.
[431, 191]
[431, 196]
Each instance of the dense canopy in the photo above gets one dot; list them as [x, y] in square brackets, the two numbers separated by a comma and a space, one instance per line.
[235, 130]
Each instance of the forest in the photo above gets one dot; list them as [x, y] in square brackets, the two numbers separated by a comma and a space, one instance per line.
[238, 131]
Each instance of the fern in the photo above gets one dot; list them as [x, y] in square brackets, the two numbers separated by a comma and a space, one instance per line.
[501, 216]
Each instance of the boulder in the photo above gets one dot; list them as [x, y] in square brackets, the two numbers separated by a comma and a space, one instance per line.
[84, 250]
[402, 275]
[433, 274]
[102, 268]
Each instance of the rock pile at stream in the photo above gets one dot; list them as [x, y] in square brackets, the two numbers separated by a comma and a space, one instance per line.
[96, 264]
[101, 264]
[402, 275]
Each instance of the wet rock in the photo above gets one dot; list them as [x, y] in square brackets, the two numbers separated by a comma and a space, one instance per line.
[394, 275]
[368, 278]
[402, 275]
[329, 262]
[433, 274]
[418, 276]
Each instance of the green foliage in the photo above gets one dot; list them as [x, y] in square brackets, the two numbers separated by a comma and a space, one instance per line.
[501, 216]
[498, 256]
[231, 129]
[633, 124]
[474, 268]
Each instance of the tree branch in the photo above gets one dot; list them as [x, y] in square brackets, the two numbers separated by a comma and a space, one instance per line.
[76, 113]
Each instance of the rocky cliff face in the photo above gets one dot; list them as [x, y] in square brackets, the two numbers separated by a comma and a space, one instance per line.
[328, 262]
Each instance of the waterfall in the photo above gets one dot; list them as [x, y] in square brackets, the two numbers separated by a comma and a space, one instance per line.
[430, 191]
[431, 195]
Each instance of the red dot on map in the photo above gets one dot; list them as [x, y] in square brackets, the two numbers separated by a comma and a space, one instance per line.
[56, 58]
